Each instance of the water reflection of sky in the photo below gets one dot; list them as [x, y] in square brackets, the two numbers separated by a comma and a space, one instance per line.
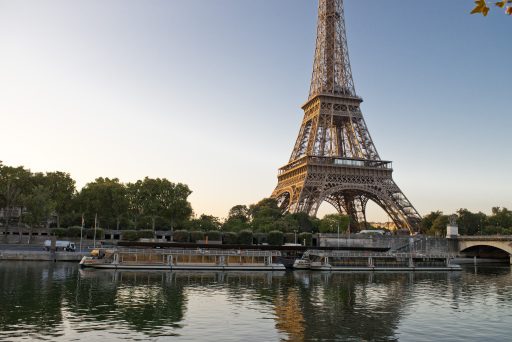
[59, 302]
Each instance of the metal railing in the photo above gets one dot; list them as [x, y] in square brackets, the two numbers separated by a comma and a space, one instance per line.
[366, 254]
[212, 252]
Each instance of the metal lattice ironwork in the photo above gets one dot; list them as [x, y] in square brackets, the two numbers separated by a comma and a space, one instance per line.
[334, 158]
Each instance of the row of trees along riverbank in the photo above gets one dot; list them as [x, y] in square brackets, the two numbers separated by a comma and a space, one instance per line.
[498, 222]
[243, 237]
[51, 199]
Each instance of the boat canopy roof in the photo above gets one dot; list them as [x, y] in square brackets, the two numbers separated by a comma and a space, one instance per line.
[200, 251]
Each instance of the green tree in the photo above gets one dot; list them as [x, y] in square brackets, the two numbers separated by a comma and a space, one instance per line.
[305, 223]
[15, 183]
[204, 223]
[500, 217]
[439, 225]
[428, 220]
[238, 219]
[240, 213]
[265, 215]
[330, 223]
[39, 205]
[62, 189]
[106, 198]
[162, 198]
[234, 224]
[135, 201]
[470, 223]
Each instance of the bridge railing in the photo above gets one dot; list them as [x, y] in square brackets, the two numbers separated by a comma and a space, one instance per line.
[485, 237]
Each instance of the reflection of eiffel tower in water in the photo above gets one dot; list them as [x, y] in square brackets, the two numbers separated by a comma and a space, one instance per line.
[334, 158]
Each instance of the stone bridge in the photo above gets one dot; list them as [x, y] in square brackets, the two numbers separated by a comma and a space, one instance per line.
[482, 245]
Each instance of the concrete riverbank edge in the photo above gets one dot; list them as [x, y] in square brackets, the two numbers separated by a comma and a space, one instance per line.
[15, 255]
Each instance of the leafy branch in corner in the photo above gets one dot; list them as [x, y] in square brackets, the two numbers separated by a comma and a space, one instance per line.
[483, 8]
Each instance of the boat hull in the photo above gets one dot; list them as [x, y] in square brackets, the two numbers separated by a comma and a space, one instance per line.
[89, 263]
[385, 269]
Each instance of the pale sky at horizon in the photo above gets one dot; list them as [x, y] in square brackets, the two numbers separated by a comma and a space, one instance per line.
[208, 93]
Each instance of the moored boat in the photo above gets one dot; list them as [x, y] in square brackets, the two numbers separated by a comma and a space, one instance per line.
[184, 259]
[368, 261]
[303, 263]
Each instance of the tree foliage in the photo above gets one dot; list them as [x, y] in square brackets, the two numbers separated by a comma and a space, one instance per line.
[483, 7]
[104, 199]
[41, 196]
[331, 222]
[204, 223]
[275, 238]
[469, 223]
[157, 203]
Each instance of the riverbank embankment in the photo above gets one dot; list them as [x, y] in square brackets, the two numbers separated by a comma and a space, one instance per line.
[24, 255]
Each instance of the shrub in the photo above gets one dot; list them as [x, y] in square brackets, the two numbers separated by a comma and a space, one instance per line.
[130, 235]
[213, 235]
[260, 238]
[73, 232]
[89, 233]
[289, 238]
[306, 236]
[230, 238]
[58, 232]
[275, 238]
[146, 234]
[245, 237]
[180, 235]
[196, 235]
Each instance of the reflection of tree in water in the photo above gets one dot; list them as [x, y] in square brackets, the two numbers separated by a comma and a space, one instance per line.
[341, 306]
[307, 306]
[148, 302]
[352, 306]
[482, 282]
[31, 297]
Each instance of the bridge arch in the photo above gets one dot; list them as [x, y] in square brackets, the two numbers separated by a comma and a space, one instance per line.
[486, 246]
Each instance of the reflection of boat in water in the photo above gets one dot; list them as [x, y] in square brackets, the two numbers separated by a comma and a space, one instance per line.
[193, 275]
[370, 261]
[184, 259]
[204, 277]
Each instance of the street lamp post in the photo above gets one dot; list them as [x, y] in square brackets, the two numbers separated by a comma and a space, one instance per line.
[338, 236]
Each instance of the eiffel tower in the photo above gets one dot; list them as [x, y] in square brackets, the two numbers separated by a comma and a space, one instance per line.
[334, 158]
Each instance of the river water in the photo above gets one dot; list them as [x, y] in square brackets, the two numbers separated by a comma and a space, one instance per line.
[60, 302]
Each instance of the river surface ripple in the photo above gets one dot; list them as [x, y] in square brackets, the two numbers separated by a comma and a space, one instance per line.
[60, 302]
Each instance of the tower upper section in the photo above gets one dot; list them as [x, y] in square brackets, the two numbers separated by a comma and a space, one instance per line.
[331, 70]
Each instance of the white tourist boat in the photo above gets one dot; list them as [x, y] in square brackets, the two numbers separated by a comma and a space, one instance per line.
[303, 263]
[322, 260]
[183, 259]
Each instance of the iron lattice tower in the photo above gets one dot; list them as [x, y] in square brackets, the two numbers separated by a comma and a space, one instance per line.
[334, 158]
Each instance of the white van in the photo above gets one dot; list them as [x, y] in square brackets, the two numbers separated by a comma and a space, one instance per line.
[62, 245]
[372, 232]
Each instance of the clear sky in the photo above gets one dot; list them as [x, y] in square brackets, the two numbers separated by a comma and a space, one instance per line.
[208, 93]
